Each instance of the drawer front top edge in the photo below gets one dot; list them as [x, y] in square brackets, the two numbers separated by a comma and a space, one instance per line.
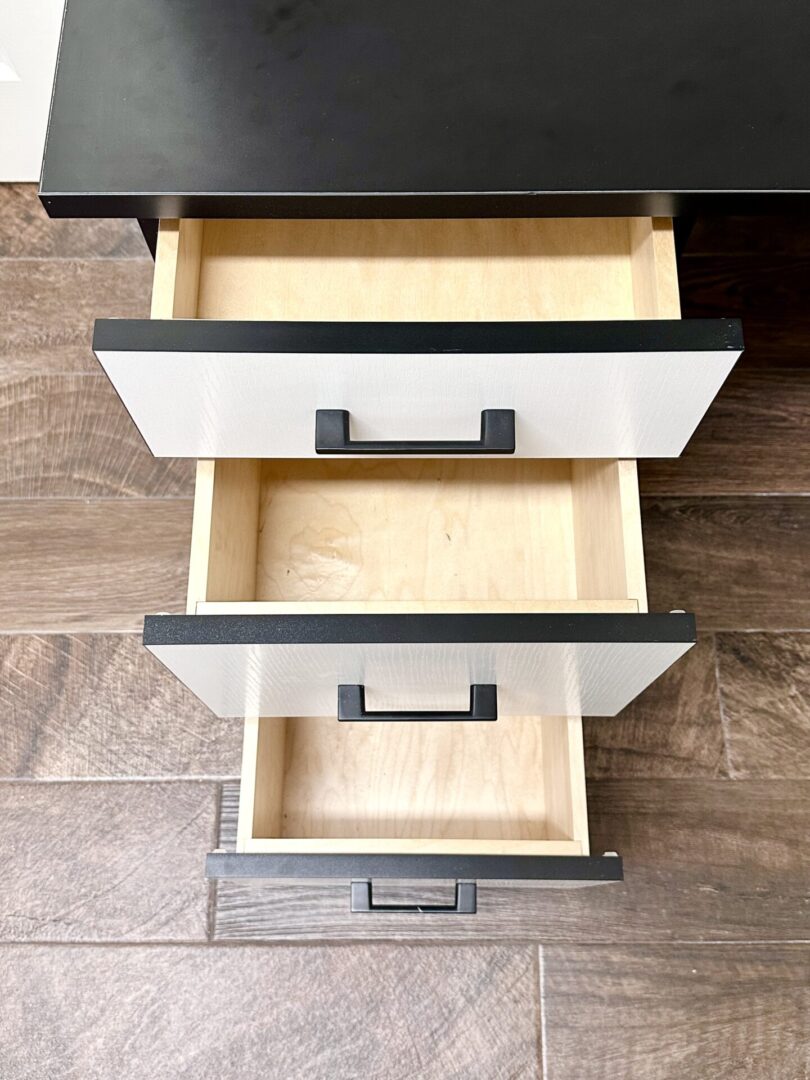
[546, 665]
[554, 869]
[273, 336]
[612, 389]
[674, 627]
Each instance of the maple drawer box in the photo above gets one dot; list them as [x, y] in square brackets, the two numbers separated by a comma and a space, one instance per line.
[414, 626]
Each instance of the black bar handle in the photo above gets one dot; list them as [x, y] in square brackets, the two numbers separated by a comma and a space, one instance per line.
[497, 437]
[483, 706]
[362, 901]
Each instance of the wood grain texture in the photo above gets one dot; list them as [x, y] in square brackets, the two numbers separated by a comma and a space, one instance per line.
[653, 268]
[105, 862]
[672, 729]
[91, 565]
[260, 792]
[225, 532]
[443, 530]
[410, 607]
[494, 269]
[607, 531]
[417, 782]
[177, 269]
[68, 436]
[767, 291]
[49, 305]
[753, 440]
[737, 563]
[27, 232]
[98, 705]
[704, 861]
[279, 1014]
[424, 529]
[765, 691]
[659, 1013]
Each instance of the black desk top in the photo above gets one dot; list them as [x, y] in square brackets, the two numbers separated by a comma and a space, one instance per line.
[429, 108]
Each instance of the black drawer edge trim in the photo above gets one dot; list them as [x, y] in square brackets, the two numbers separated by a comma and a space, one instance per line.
[420, 629]
[62, 203]
[556, 868]
[212, 336]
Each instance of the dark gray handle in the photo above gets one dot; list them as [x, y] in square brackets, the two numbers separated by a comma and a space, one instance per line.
[362, 902]
[497, 437]
[483, 706]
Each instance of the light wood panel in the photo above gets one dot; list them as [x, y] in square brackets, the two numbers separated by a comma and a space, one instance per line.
[607, 530]
[564, 779]
[225, 532]
[654, 269]
[260, 812]
[418, 529]
[177, 269]
[411, 787]
[404, 607]
[461, 269]
[418, 532]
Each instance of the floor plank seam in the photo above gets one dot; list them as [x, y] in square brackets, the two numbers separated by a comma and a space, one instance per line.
[178, 778]
[382, 942]
[134, 259]
[211, 898]
[95, 498]
[541, 995]
[724, 725]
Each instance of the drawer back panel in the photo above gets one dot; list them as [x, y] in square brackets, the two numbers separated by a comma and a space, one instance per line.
[417, 270]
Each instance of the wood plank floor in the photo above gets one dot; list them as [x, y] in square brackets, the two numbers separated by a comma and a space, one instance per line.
[114, 782]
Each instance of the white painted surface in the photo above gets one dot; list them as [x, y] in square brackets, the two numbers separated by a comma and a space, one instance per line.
[567, 678]
[29, 38]
[200, 404]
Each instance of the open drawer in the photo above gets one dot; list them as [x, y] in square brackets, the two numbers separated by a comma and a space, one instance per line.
[497, 599]
[538, 338]
[307, 575]
[417, 580]
[488, 805]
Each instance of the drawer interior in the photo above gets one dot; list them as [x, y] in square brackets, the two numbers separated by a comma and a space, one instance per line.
[450, 536]
[492, 269]
[311, 785]
[348, 537]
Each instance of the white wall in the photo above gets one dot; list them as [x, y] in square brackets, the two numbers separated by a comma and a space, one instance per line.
[29, 36]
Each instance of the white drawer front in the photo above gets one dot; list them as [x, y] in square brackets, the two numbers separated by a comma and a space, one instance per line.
[550, 665]
[583, 390]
